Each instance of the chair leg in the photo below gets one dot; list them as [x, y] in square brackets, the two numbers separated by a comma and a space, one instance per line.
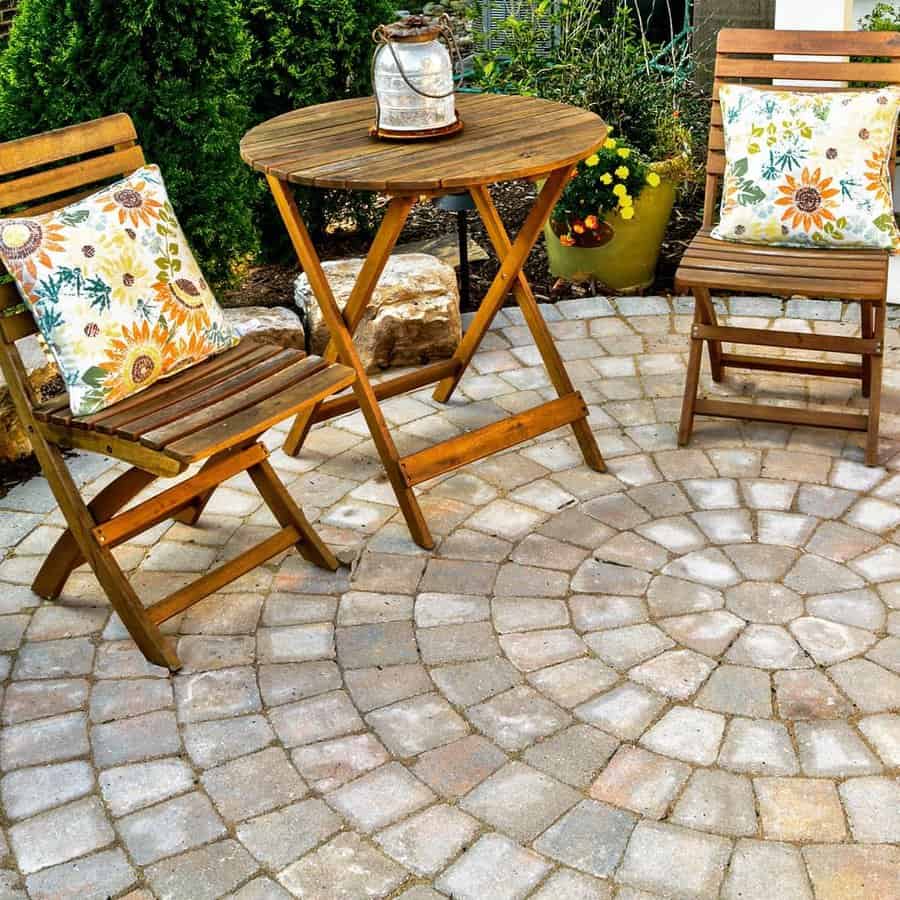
[695, 360]
[867, 329]
[876, 363]
[121, 595]
[65, 555]
[705, 314]
[286, 511]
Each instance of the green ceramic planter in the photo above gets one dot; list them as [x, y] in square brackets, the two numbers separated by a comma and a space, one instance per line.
[627, 263]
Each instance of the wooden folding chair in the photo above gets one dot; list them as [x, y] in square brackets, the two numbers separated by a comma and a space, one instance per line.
[748, 56]
[214, 411]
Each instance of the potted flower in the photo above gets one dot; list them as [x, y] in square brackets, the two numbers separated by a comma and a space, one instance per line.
[609, 223]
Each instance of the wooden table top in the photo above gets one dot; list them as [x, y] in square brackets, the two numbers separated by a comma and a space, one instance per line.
[504, 137]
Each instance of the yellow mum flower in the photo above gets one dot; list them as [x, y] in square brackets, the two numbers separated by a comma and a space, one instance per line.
[624, 152]
[622, 172]
[606, 178]
[620, 190]
[610, 144]
[653, 179]
[627, 212]
[626, 200]
[592, 160]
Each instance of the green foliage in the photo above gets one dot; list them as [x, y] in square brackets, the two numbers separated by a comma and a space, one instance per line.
[195, 75]
[600, 60]
[177, 68]
[307, 52]
[883, 17]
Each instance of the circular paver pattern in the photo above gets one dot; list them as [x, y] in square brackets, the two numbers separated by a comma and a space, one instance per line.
[677, 679]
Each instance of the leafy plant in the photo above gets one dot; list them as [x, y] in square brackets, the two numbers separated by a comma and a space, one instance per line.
[883, 17]
[177, 67]
[608, 181]
[306, 52]
[599, 58]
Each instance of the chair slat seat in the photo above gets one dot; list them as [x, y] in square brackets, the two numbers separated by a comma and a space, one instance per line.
[783, 271]
[210, 407]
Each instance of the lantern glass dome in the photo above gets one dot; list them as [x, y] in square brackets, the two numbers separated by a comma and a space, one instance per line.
[413, 79]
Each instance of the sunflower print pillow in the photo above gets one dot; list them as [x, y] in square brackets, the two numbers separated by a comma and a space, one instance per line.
[115, 290]
[808, 170]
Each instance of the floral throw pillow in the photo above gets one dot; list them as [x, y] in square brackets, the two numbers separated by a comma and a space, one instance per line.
[808, 170]
[115, 290]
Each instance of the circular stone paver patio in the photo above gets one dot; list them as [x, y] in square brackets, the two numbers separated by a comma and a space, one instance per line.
[678, 679]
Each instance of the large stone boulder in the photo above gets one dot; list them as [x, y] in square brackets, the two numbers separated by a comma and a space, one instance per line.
[413, 317]
[271, 325]
[46, 382]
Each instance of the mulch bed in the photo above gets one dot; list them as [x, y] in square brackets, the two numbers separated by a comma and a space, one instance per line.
[272, 285]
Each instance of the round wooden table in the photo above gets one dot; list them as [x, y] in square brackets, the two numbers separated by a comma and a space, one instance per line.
[504, 138]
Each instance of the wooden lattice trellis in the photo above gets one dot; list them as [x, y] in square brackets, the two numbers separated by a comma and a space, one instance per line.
[7, 14]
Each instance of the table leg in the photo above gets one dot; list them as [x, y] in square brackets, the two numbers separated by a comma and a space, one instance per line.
[542, 337]
[391, 225]
[511, 264]
[342, 338]
[514, 255]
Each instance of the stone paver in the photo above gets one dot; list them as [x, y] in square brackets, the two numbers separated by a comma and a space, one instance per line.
[679, 678]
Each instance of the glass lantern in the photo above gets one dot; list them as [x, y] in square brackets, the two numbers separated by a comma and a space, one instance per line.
[412, 74]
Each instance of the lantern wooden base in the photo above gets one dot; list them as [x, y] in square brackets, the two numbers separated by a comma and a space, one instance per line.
[387, 134]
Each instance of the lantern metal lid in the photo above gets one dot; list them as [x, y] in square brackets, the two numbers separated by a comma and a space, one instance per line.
[413, 80]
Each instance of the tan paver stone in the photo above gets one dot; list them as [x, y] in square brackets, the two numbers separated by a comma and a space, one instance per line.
[574, 755]
[674, 596]
[623, 648]
[719, 802]
[565, 884]
[520, 801]
[454, 769]
[518, 717]
[883, 733]
[380, 797]
[873, 809]
[759, 747]
[102, 874]
[869, 686]
[691, 735]
[640, 781]
[800, 809]
[709, 633]
[456, 643]
[493, 867]
[625, 711]
[344, 868]
[591, 612]
[663, 858]
[767, 647]
[766, 869]
[809, 694]
[571, 683]
[676, 673]
[830, 642]
[853, 873]
[532, 650]
[450, 609]
[280, 837]
[595, 577]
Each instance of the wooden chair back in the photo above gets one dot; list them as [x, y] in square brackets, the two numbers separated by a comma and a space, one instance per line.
[46, 172]
[748, 56]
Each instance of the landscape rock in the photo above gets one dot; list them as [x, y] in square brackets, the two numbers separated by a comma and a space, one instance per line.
[413, 317]
[271, 325]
